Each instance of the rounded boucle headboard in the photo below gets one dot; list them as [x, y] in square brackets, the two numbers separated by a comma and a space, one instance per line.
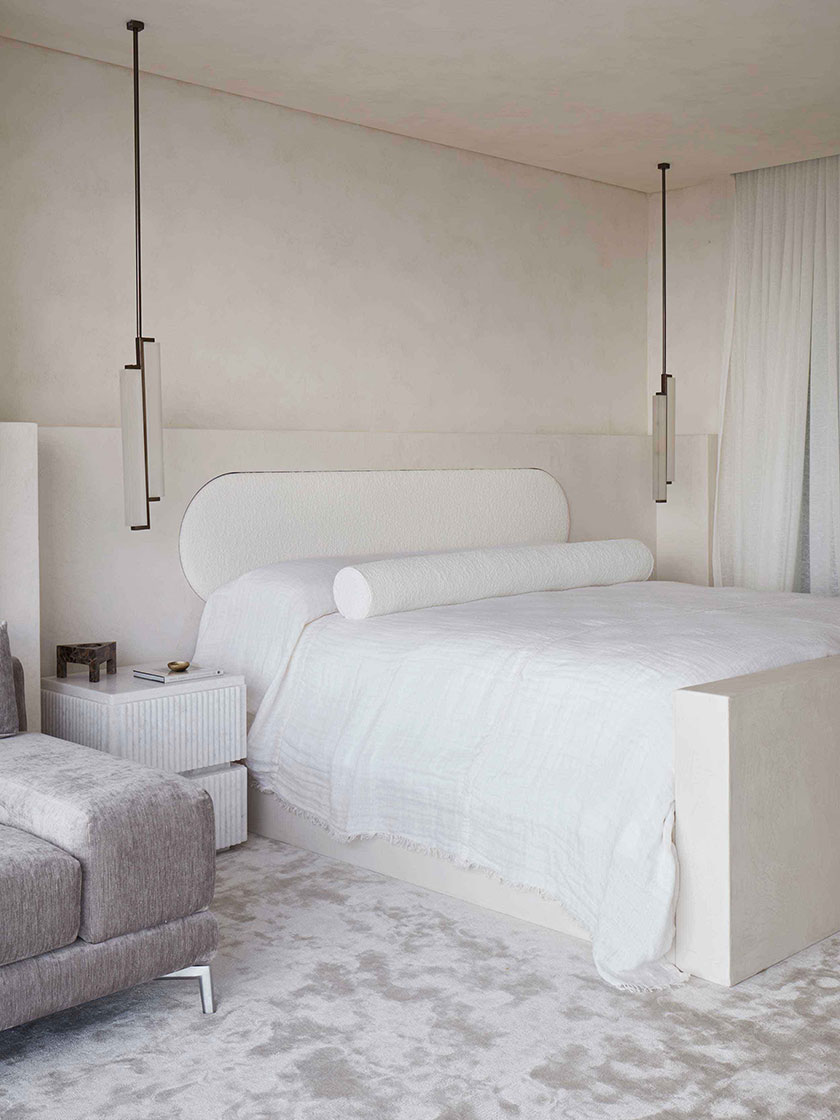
[237, 522]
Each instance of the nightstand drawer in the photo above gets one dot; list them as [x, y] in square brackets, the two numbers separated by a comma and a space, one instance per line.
[228, 788]
[182, 731]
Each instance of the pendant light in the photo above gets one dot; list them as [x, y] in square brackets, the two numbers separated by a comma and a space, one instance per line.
[664, 402]
[140, 392]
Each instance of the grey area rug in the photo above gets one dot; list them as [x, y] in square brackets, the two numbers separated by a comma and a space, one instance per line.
[344, 995]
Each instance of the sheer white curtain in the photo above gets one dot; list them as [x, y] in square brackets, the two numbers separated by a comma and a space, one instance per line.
[777, 520]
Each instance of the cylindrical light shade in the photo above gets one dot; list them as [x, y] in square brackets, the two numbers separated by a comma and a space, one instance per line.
[154, 418]
[660, 447]
[134, 459]
[671, 427]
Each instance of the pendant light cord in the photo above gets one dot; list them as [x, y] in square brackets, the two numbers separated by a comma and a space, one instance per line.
[663, 167]
[135, 26]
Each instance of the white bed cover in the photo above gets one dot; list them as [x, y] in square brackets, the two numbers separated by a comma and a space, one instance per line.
[531, 736]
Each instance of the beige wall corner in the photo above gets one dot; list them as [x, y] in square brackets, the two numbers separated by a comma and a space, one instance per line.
[684, 522]
[19, 565]
[699, 246]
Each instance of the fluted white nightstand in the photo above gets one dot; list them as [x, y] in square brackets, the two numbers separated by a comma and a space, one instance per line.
[196, 729]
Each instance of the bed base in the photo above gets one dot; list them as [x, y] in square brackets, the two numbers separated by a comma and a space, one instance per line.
[757, 772]
[268, 816]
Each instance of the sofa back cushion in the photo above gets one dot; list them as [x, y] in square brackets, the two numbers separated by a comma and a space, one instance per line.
[9, 722]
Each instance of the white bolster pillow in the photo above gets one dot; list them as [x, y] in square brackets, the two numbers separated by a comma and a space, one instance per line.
[406, 583]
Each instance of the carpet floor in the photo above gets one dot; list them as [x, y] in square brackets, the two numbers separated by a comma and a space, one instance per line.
[344, 995]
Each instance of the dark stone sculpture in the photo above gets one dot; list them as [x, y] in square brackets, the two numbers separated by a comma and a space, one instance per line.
[91, 654]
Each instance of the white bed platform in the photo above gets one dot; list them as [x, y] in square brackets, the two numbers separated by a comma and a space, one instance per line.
[757, 757]
[267, 816]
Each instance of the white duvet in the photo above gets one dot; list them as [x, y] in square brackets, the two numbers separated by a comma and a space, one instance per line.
[530, 735]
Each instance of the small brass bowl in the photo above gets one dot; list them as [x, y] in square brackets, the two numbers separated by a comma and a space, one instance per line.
[178, 666]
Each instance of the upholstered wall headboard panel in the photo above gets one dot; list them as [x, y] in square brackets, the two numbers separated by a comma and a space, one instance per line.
[237, 522]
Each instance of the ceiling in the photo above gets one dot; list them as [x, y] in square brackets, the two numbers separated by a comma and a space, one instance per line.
[604, 89]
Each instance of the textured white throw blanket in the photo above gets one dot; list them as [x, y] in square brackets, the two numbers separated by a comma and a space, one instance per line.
[531, 736]
[407, 583]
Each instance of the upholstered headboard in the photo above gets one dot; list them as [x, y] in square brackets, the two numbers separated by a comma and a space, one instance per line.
[237, 522]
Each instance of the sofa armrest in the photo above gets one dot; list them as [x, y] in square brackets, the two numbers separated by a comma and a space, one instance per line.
[144, 838]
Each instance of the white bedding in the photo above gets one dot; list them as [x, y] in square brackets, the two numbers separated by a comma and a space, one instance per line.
[529, 735]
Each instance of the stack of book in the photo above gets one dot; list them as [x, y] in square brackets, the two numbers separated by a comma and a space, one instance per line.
[161, 674]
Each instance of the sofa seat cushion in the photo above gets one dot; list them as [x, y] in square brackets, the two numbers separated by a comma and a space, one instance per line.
[40, 896]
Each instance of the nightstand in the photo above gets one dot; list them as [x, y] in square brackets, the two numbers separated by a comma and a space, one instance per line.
[196, 729]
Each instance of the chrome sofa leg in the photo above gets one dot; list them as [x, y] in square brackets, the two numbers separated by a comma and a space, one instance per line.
[205, 982]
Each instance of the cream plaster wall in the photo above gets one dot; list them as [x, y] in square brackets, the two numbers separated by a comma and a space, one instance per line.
[344, 297]
[19, 554]
[684, 522]
[303, 273]
[699, 224]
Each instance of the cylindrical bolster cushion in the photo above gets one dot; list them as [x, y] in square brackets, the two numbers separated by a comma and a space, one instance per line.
[407, 583]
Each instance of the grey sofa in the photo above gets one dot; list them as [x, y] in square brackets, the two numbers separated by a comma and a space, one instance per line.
[106, 873]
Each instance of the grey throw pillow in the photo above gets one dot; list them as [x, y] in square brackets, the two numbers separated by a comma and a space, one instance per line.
[8, 701]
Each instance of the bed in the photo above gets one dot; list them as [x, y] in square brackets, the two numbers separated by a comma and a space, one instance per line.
[372, 771]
